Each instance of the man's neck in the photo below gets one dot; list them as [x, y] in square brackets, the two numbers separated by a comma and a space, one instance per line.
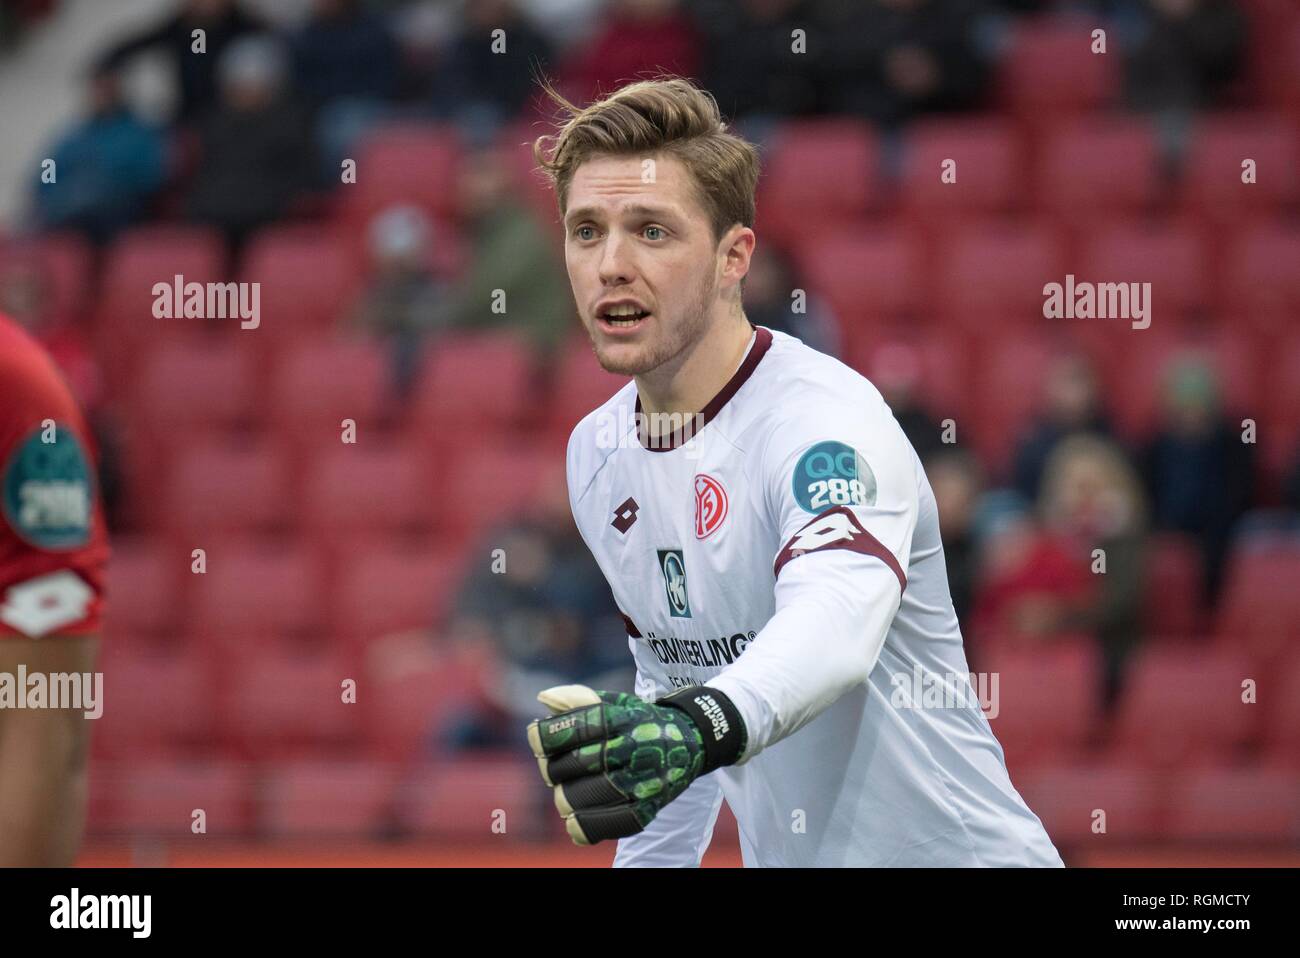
[700, 374]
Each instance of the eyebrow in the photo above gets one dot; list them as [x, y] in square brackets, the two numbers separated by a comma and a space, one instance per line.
[588, 212]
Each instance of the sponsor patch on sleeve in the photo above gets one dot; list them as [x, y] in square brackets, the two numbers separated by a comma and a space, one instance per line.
[46, 491]
[833, 474]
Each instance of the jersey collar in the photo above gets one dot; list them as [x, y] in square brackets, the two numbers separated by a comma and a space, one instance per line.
[762, 342]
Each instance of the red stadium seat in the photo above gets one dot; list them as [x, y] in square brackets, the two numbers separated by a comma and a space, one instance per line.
[1087, 804]
[138, 260]
[1172, 600]
[1259, 610]
[255, 590]
[65, 261]
[1045, 701]
[867, 275]
[1095, 168]
[1051, 70]
[993, 416]
[1181, 707]
[412, 703]
[1284, 409]
[277, 702]
[186, 387]
[1282, 717]
[366, 488]
[942, 366]
[156, 701]
[580, 386]
[144, 581]
[401, 164]
[307, 280]
[491, 484]
[318, 798]
[820, 174]
[159, 798]
[1260, 273]
[1172, 259]
[988, 174]
[464, 798]
[993, 274]
[474, 385]
[1235, 804]
[1212, 173]
[220, 487]
[383, 588]
[316, 385]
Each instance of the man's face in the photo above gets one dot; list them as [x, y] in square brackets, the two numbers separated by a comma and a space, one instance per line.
[635, 234]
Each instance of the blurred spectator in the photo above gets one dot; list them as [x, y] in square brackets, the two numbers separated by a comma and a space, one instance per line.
[548, 614]
[889, 60]
[107, 166]
[344, 51]
[896, 372]
[1032, 584]
[222, 22]
[1073, 406]
[1185, 55]
[481, 88]
[256, 155]
[403, 301]
[1199, 474]
[1092, 497]
[513, 262]
[956, 481]
[751, 66]
[25, 296]
[636, 38]
[767, 292]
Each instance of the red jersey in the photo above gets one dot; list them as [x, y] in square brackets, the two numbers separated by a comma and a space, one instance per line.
[53, 544]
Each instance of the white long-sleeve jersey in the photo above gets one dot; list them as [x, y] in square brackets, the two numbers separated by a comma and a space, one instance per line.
[783, 547]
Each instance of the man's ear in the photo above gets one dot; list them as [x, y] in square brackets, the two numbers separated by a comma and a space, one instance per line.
[737, 249]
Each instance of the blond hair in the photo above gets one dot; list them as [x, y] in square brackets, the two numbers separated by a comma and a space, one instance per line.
[666, 115]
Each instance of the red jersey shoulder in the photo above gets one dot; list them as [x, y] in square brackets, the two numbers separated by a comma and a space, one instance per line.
[53, 545]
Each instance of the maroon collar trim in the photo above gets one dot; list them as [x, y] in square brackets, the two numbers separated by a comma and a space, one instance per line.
[679, 436]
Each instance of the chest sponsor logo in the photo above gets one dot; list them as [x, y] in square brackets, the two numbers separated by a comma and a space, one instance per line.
[625, 515]
[709, 653]
[673, 567]
[833, 474]
[710, 505]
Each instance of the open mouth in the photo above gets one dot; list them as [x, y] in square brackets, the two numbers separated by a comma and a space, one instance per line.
[624, 317]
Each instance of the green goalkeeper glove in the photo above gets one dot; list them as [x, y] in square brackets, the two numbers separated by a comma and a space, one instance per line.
[615, 760]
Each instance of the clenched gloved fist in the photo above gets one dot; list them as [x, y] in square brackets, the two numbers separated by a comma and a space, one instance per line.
[615, 760]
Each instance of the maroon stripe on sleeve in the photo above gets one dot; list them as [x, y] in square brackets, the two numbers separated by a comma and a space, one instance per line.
[630, 626]
[837, 528]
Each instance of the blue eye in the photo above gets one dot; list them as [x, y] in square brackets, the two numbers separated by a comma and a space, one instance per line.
[657, 229]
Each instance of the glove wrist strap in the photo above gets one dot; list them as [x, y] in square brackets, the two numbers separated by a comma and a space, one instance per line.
[718, 720]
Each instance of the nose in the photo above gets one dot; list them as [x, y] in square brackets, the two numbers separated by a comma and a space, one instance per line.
[615, 262]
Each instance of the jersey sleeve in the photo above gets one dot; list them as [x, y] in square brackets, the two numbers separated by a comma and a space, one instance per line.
[841, 486]
[53, 546]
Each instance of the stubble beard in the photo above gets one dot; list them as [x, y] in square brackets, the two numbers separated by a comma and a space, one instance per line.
[674, 338]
